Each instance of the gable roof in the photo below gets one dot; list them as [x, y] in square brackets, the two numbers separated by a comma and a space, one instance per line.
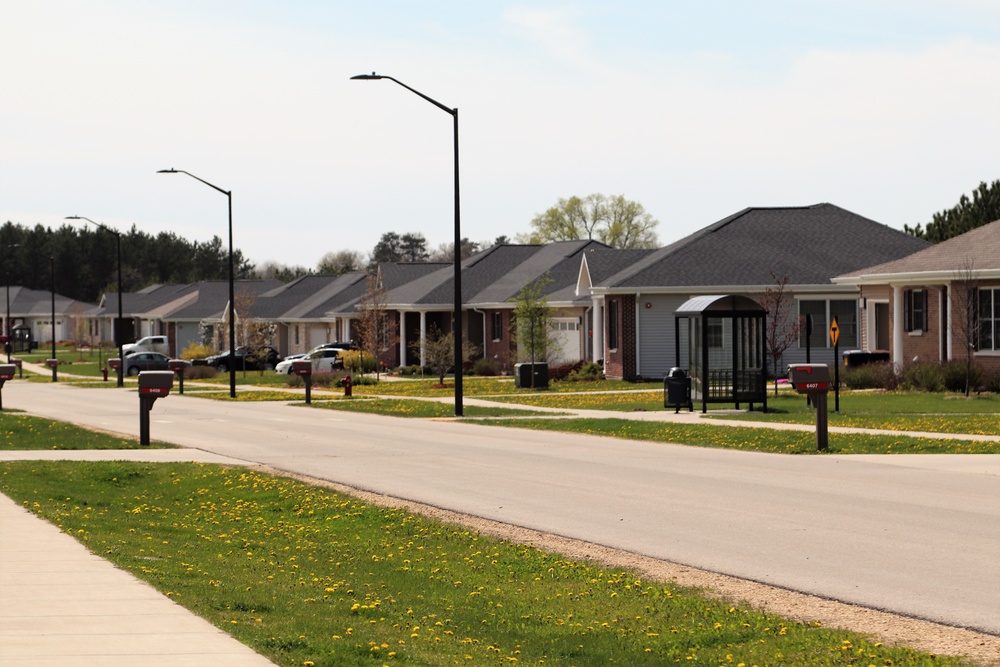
[808, 244]
[977, 250]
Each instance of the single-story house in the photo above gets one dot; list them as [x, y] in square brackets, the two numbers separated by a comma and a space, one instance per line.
[935, 304]
[745, 254]
[75, 320]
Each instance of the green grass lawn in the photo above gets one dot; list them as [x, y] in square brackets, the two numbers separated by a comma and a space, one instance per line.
[398, 407]
[22, 431]
[752, 439]
[308, 577]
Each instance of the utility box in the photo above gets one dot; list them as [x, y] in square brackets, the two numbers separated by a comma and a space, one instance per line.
[531, 376]
[814, 380]
[152, 385]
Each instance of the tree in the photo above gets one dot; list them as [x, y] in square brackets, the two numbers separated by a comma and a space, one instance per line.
[439, 351]
[615, 221]
[446, 251]
[983, 209]
[533, 323]
[377, 327]
[413, 248]
[252, 332]
[272, 270]
[338, 262]
[781, 329]
[392, 247]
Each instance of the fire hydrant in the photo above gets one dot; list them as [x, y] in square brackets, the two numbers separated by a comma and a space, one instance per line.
[346, 383]
[104, 372]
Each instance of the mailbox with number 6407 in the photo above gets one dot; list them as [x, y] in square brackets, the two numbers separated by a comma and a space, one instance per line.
[814, 380]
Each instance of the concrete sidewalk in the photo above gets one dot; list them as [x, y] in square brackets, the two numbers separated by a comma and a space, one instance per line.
[62, 605]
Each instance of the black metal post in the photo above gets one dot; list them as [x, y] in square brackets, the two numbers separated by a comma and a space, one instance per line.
[457, 315]
[232, 279]
[55, 360]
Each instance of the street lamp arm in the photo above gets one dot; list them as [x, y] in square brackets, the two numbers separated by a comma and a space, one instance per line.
[375, 77]
[104, 227]
[181, 171]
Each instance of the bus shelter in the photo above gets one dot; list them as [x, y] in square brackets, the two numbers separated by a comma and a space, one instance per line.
[726, 349]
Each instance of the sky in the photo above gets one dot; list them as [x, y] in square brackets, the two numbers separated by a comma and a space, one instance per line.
[696, 110]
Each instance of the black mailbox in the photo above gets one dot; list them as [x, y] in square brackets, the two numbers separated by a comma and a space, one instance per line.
[304, 369]
[152, 385]
[6, 373]
[809, 378]
[177, 367]
[814, 380]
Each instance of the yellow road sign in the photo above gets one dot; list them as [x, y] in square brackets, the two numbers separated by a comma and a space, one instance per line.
[834, 332]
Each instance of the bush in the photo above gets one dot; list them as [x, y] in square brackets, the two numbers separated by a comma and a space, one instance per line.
[925, 377]
[953, 376]
[880, 375]
[486, 367]
[412, 369]
[353, 360]
[199, 373]
[196, 351]
[588, 372]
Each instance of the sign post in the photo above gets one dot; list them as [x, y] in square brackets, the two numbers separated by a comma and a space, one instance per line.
[835, 339]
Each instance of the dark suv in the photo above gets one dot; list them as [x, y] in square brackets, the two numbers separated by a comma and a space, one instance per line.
[261, 359]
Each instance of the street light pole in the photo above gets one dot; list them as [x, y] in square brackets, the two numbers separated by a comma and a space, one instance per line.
[117, 328]
[458, 237]
[232, 279]
[9, 345]
[55, 361]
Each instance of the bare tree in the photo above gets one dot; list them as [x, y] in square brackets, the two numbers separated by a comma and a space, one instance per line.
[439, 351]
[379, 331]
[252, 332]
[964, 319]
[781, 329]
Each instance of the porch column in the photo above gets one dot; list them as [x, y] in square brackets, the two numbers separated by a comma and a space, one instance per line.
[948, 341]
[423, 338]
[402, 338]
[897, 326]
[597, 338]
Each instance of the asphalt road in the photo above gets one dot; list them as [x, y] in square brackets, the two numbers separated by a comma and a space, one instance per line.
[918, 536]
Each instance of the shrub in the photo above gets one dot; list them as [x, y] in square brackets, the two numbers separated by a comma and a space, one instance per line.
[880, 375]
[353, 360]
[199, 373]
[588, 372]
[485, 367]
[412, 369]
[953, 376]
[926, 377]
[562, 371]
[195, 351]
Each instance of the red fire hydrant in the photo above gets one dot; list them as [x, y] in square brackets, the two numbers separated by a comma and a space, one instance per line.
[104, 371]
[346, 382]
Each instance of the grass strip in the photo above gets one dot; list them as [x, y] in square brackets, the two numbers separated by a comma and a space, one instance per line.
[23, 431]
[397, 407]
[752, 439]
[307, 576]
[966, 424]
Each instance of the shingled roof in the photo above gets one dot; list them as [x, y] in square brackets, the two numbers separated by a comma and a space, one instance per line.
[977, 250]
[808, 244]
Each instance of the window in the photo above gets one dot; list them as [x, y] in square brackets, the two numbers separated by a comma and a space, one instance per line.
[915, 310]
[989, 320]
[714, 330]
[613, 324]
[822, 314]
[497, 326]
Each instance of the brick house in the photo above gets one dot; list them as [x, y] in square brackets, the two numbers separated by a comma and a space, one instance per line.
[931, 305]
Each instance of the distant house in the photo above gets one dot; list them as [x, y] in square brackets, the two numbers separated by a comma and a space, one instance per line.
[934, 304]
[744, 254]
[76, 321]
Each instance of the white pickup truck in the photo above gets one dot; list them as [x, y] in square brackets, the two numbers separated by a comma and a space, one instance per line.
[148, 344]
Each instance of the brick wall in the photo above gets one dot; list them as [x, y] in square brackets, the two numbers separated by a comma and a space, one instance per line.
[620, 363]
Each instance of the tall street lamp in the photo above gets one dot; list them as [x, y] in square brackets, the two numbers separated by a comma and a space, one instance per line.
[117, 327]
[458, 237]
[232, 279]
[55, 360]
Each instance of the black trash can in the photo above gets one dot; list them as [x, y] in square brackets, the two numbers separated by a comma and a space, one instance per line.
[677, 390]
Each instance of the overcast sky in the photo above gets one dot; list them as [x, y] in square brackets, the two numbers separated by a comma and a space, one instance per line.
[888, 108]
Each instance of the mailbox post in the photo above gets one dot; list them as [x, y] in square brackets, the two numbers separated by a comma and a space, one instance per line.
[177, 367]
[152, 385]
[116, 365]
[6, 373]
[304, 369]
[813, 380]
[53, 364]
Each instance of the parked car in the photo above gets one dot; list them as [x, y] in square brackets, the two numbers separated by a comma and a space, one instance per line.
[284, 367]
[145, 361]
[148, 344]
[326, 359]
[264, 359]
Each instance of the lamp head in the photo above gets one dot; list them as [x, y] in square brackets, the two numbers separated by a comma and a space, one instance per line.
[167, 171]
[366, 77]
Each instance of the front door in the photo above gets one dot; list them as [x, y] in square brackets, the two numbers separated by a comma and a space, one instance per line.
[881, 326]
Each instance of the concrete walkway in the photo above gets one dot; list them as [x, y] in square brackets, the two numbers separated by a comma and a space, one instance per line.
[62, 605]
